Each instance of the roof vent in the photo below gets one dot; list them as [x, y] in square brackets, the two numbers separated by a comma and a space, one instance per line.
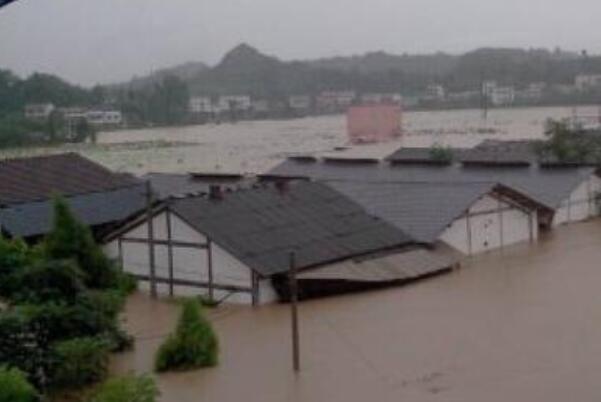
[215, 192]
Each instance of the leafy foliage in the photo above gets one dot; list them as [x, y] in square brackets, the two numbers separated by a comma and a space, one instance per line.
[193, 345]
[70, 239]
[80, 362]
[14, 386]
[127, 389]
[441, 154]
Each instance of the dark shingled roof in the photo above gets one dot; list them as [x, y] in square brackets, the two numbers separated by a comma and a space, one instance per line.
[422, 210]
[94, 209]
[38, 178]
[419, 155]
[261, 226]
[546, 186]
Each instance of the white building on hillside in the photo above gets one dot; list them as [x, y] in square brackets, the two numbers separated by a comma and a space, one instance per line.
[586, 82]
[39, 111]
[200, 104]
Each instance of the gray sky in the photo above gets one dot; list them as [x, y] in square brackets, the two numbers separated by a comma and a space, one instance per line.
[91, 41]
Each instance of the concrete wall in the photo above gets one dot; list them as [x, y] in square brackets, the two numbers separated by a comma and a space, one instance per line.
[188, 263]
[490, 224]
[581, 203]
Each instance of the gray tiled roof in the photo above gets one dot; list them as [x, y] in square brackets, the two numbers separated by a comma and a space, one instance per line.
[261, 226]
[548, 186]
[422, 210]
[94, 209]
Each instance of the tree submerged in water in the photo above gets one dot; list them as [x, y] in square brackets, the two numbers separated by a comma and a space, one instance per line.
[193, 345]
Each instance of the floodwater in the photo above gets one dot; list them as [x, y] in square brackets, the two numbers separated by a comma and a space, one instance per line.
[521, 324]
[255, 146]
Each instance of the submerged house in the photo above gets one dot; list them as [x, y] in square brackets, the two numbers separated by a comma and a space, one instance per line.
[416, 182]
[98, 197]
[237, 245]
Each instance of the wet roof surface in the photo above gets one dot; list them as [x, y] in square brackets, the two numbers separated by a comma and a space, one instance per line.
[39, 178]
[261, 226]
[36, 218]
[548, 186]
[422, 210]
[177, 184]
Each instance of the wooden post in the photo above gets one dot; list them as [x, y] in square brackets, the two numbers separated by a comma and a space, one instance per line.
[294, 313]
[210, 266]
[120, 247]
[169, 246]
[151, 256]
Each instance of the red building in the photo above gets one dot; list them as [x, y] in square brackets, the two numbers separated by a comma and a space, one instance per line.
[373, 123]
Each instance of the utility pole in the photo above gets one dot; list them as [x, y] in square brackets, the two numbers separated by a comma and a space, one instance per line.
[294, 313]
[151, 259]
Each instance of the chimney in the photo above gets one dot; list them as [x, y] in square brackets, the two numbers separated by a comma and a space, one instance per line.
[215, 192]
[282, 186]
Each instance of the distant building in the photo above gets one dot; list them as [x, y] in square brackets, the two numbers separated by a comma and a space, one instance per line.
[533, 92]
[335, 101]
[228, 103]
[105, 118]
[299, 102]
[39, 111]
[261, 106]
[200, 104]
[586, 82]
[376, 98]
[502, 96]
[373, 123]
[435, 92]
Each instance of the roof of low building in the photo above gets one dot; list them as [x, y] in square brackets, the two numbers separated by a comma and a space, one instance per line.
[547, 186]
[36, 218]
[421, 209]
[263, 225]
[184, 184]
[25, 180]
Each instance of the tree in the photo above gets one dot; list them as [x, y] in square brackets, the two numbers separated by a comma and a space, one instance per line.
[127, 389]
[14, 386]
[70, 239]
[193, 345]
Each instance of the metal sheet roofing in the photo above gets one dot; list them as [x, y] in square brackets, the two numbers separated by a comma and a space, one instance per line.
[35, 218]
[422, 210]
[25, 180]
[547, 186]
[401, 266]
[261, 226]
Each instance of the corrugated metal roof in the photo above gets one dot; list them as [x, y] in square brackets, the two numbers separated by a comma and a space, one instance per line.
[401, 266]
[545, 185]
[26, 180]
[422, 210]
[261, 226]
[93, 209]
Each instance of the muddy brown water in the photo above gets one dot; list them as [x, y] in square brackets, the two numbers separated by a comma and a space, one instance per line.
[522, 324]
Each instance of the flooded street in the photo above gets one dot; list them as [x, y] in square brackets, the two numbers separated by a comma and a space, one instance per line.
[256, 146]
[523, 324]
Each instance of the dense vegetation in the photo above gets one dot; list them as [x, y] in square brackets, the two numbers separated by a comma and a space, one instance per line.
[127, 389]
[62, 300]
[14, 386]
[193, 345]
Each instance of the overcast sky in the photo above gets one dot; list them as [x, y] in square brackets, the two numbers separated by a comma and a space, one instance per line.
[100, 41]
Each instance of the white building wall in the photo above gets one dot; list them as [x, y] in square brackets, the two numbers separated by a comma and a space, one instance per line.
[490, 224]
[581, 204]
[188, 263]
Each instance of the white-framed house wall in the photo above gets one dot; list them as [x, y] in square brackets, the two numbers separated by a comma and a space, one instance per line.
[582, 204]
[199, 265]
[491, 222]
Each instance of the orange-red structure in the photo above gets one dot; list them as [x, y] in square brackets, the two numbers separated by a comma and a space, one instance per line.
[373, 122]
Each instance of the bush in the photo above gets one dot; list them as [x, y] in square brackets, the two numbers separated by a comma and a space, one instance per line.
[15, 255]
[70, 239]
[127, 389]
[80, 362]
[14, 386]
[193, 345]
[48, 281]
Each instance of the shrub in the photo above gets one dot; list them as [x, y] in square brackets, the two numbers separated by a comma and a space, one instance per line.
[14, 256]
[14, 386]
[193, 345]
[441, 154]
[48, 281]
[79, 362]
[127, 389]
[70, 239]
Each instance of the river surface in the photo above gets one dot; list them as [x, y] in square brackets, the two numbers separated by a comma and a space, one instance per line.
[522, 324]
[256, 146]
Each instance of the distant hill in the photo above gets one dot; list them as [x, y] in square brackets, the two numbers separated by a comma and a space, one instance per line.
[245, 70]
